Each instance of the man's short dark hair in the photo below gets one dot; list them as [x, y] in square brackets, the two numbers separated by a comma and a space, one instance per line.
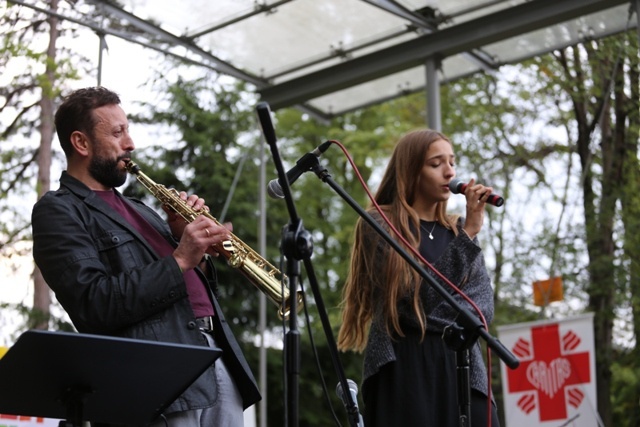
[76, 113]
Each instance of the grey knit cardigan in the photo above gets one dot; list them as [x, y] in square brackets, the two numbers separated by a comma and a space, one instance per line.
[463, 264]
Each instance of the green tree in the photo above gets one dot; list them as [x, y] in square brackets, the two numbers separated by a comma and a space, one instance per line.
[549, 126]
[600, 79]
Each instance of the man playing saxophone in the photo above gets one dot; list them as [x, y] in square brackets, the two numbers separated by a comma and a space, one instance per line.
[119, 269]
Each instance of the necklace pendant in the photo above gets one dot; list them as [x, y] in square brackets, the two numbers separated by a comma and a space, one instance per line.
[430, 232]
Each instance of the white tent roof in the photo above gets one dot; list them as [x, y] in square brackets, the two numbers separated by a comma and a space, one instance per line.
[334, 56]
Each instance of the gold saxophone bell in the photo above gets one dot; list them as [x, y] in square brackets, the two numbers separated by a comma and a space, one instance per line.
[238, 255]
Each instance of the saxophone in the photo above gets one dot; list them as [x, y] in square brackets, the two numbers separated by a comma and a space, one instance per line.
[263, 275]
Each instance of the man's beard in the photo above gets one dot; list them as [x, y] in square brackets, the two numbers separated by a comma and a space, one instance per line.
[106, 171]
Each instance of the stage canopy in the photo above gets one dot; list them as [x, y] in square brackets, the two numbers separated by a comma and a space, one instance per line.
[329, 57]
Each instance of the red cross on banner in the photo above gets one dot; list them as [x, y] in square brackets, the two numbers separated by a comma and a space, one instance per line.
[555, 380]
[549, 371]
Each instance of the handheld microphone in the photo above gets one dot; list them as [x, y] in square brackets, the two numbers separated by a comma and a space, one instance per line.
[274, 188]
[353, 390]
[457, 186]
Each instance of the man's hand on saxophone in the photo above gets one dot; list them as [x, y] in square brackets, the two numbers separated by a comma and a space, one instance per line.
[175, 221]
[197, 237]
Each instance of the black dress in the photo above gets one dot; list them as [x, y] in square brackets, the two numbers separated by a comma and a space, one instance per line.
[419, 388]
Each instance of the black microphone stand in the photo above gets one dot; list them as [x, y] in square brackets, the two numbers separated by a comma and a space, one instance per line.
[461, 340]
[297, 244]
[460, 335]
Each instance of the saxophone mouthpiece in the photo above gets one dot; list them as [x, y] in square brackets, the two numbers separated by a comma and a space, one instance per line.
[131, 166]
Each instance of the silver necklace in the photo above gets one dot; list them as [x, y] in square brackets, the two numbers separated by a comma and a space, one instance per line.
[430, 232]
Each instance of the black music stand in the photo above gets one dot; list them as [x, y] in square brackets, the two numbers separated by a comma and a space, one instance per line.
[81, 377]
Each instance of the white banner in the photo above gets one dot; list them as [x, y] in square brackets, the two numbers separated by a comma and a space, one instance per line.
[555, 384]
[22, 421]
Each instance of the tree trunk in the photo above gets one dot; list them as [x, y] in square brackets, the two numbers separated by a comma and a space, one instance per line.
[602, 172]
[41, 293]
[627, 106]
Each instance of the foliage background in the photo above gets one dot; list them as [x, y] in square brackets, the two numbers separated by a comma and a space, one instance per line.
[558, 135]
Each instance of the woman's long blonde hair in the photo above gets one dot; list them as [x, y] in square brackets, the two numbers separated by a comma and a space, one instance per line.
[379, 283]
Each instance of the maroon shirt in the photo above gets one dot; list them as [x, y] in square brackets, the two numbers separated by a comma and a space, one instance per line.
[196, 289]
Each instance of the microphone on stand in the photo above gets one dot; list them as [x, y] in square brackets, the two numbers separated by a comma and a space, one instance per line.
[353, 390]
[457, 186]
[274, 188]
